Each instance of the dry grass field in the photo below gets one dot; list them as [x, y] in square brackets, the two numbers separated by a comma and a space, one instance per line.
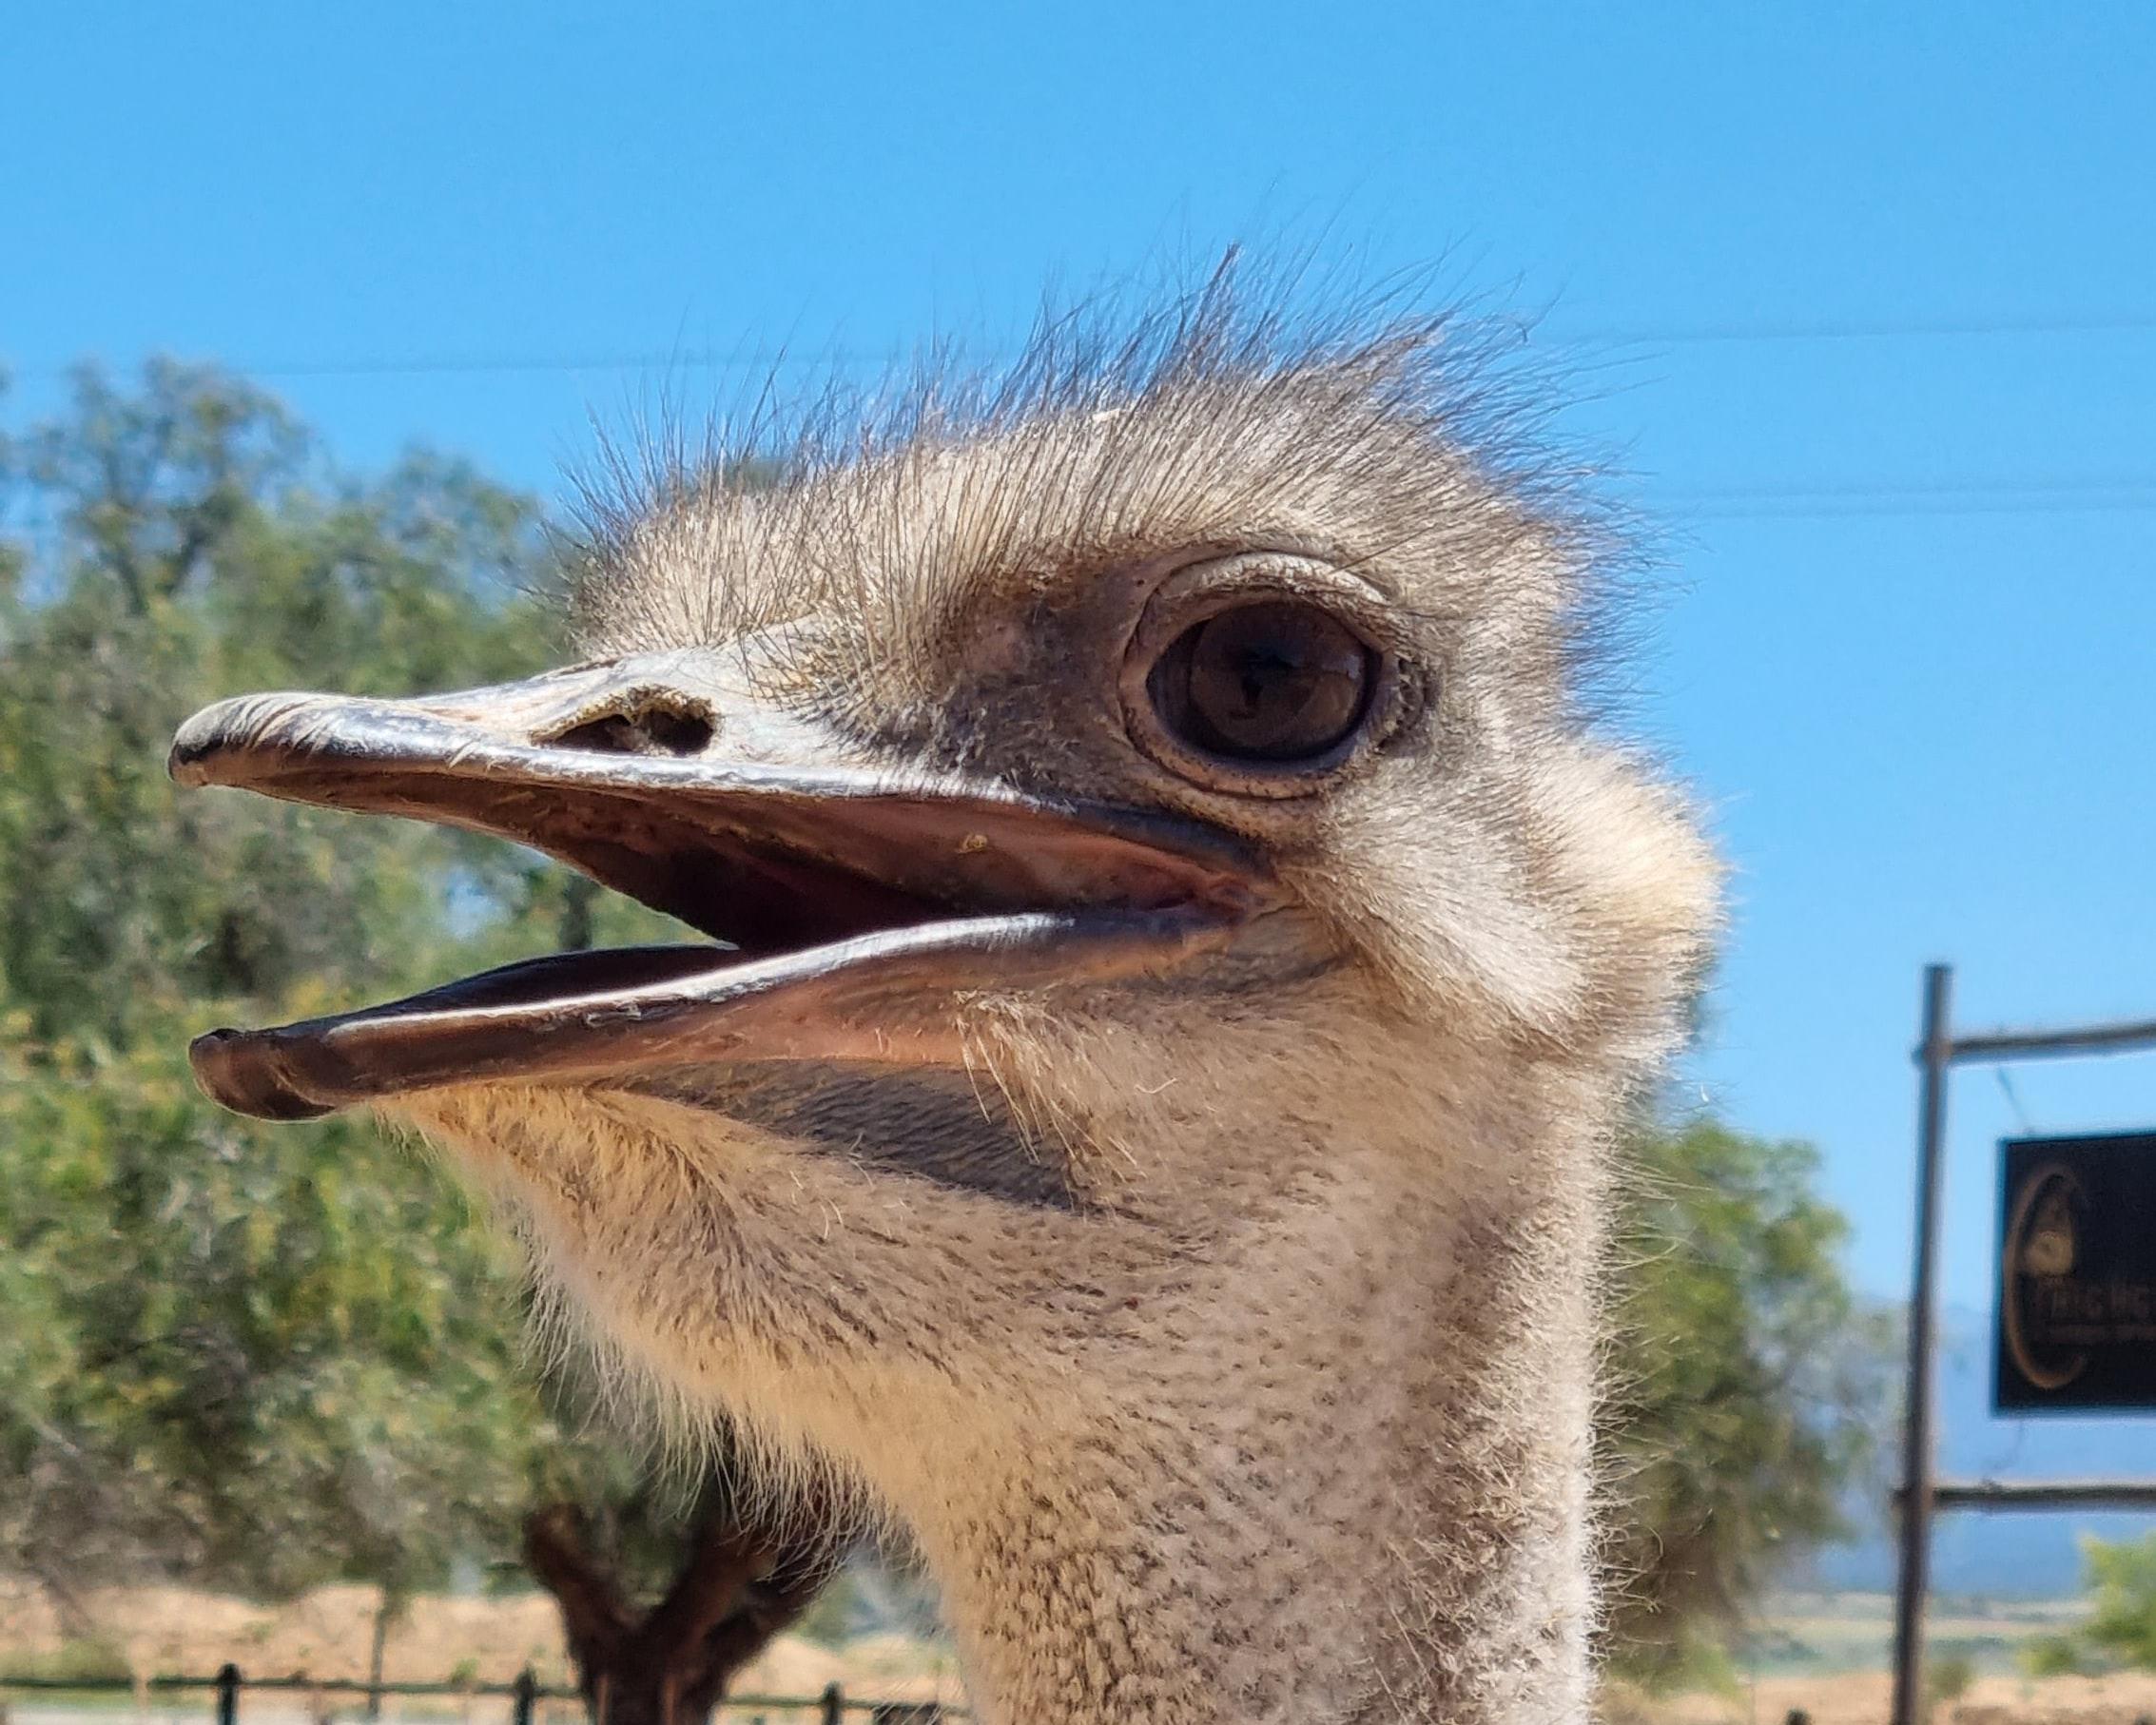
[1825, 1654]
[1859, 1697]
[326, 1635]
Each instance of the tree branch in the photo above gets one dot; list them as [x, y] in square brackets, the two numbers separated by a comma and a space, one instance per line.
[593, 1615]
[724, 1557]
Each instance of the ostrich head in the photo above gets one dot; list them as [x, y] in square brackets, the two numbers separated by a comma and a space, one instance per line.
[1183, 948]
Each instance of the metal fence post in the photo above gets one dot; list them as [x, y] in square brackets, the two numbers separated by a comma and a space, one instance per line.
[522, 1696]
[227, 1694]
[834, 1706]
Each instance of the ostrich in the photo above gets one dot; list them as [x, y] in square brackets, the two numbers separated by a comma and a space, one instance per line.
[1185, 947]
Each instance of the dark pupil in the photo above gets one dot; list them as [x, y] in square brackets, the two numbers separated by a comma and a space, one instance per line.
[1269, 682]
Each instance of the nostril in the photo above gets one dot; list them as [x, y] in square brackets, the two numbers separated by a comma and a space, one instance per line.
[675, 733]
[647, 728]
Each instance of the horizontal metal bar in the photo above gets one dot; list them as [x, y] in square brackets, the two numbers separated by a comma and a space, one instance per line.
[361, 1686]
[2039, 1045]
[2040, 1494]
[333, 1685]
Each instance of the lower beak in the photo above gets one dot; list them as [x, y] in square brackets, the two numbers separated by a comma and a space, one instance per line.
[858, 907]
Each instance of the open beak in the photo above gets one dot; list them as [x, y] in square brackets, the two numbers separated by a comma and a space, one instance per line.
[855, 905]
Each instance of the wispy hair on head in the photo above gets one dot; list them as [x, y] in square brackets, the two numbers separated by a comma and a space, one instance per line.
[1412, 441]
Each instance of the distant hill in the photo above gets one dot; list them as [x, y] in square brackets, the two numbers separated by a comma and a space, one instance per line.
[2008, 1556]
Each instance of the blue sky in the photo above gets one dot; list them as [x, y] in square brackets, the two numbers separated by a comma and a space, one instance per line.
[1865, 298]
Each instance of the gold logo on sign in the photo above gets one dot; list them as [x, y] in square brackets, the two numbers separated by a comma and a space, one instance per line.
[2043, 1244]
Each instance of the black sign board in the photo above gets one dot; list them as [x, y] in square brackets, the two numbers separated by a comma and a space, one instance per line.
[2076, 1327]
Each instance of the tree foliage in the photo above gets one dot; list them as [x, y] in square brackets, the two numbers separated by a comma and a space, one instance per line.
[2119, 1628]
[260, 1357]
[1745, 1383]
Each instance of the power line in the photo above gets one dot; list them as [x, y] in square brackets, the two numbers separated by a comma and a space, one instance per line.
[2096, 493]
[2098, 323]
[764, 359]
[1973, 506]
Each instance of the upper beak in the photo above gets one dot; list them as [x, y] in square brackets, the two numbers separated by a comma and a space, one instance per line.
[857, 902]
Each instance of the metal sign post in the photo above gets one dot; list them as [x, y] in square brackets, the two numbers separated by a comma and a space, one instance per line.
[1938, 1051]
[1912, 1573]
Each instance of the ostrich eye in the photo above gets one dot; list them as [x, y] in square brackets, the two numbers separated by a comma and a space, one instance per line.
[1273, 682]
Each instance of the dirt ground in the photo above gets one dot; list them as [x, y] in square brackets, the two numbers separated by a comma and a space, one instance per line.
[326, 1635]
[1859, 1697]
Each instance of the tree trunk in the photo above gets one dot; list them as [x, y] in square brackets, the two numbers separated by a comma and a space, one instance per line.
[382, 1613]
[670, 1664]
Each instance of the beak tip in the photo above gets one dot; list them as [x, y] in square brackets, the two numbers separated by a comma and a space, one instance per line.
[184, 767]
[232, 1070]
[197, 742]
[227, 742]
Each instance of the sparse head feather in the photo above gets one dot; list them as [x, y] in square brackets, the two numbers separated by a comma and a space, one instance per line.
[1403, 443]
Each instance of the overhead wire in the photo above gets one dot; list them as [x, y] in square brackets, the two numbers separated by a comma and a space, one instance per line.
[2130, 493]
[749, 359]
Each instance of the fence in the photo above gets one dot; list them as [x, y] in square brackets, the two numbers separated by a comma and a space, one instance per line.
[833, 1707]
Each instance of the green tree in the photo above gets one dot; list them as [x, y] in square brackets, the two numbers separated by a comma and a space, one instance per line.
[2121, 1625]
[261, 1371]
[1746, 1380]
[262, 1358]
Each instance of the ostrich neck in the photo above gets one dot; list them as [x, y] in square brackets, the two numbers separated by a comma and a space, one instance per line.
[1334, 1472]
[1356, 1490]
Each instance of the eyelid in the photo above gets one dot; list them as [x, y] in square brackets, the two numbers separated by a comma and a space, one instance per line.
[1198, 589]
